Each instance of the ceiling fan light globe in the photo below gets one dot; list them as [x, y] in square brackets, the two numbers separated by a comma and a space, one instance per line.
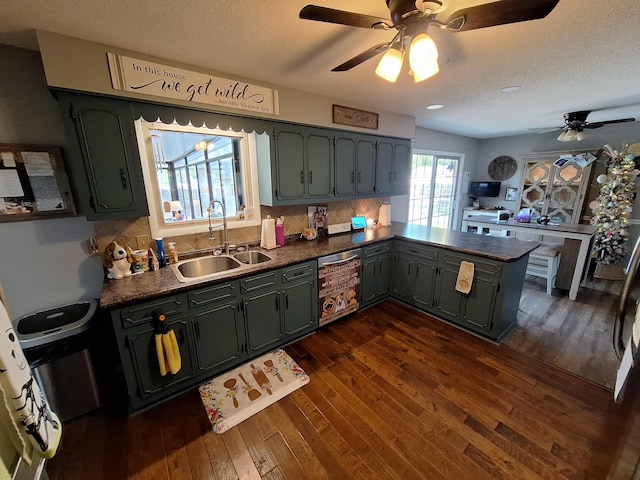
[562, 137]
[424, 73]
[581, 135]
[570, 136]
[390, 64]
[423, 57]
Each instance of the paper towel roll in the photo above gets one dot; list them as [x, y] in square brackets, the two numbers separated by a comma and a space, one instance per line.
[384, 216]
[268, 236]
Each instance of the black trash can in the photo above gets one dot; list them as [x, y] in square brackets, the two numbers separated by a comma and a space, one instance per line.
[57, 344]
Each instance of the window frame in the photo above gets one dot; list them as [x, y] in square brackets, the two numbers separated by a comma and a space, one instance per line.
[249, 156]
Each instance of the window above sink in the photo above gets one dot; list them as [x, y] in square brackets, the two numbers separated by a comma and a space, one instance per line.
[186, 167]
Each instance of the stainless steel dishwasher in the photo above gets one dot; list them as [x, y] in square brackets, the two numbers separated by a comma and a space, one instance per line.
[338, 285]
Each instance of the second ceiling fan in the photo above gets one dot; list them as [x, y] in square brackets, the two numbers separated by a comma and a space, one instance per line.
[411, 19]
[576, 122]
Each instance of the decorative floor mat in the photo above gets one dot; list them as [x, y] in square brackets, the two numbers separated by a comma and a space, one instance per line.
[242, 392]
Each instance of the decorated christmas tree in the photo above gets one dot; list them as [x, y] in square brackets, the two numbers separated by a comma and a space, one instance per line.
[612, 207]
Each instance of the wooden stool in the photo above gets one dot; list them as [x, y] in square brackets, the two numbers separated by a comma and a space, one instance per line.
[543, 263]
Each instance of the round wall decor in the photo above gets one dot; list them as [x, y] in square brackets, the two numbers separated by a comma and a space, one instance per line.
[502, 168]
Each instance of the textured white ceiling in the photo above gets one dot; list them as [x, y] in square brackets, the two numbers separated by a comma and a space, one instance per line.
[584, 56]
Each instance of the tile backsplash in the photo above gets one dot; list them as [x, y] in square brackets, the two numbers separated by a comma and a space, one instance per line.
[295, 221]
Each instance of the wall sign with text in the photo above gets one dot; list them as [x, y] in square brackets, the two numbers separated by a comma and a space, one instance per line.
[135, 75]
[355, 117]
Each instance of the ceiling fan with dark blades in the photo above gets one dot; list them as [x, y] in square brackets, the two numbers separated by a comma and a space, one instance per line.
[576, 122]
[411, 19]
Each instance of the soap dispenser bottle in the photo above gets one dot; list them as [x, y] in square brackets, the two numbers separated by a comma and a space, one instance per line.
[173, 253]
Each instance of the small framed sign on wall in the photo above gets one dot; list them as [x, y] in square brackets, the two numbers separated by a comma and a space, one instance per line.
[33, 183]
[355, 117]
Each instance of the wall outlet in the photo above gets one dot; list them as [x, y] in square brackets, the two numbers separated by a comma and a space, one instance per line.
[143, 242]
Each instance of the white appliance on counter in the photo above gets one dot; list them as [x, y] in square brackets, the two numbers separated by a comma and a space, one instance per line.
[338, 285]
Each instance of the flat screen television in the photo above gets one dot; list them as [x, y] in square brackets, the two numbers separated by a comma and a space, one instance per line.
[484, 189]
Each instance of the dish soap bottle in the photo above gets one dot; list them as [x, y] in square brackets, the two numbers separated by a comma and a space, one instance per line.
[173, 253]
[162, 257]
[280, 231]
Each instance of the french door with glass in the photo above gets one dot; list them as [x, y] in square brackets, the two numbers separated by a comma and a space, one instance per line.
[433, 189]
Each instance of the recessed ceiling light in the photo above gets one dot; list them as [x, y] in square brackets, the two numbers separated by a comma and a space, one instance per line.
[512, 88]
[434, 107]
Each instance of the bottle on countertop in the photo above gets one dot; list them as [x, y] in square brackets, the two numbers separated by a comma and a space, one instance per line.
[162, 257]
[153, 260]
[173, 253]
[280, 231]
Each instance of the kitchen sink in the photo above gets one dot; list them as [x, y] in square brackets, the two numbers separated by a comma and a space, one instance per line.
[204, 267]
[252, 257]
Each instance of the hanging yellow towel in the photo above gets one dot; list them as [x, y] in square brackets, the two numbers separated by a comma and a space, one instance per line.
[465, 277]
[167, 349]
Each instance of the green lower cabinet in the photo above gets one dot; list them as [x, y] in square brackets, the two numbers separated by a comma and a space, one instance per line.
[414, 274]
[218, 327]
[276, 314]
[490, 308]
[264, 325]
[375, 283]
[403, 281]
[219, 337]
[475, 308]
[426, 278]
[424, 283]
[144, 360]
[299, 308]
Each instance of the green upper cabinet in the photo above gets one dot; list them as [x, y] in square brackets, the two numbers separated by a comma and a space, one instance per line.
[290, 169]
[299, 165]
[392, 167]
[306, 165]
[319, 148]
[354, 161]
[104, 158]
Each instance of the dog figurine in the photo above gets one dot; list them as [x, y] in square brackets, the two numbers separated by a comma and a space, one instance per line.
[117, 260]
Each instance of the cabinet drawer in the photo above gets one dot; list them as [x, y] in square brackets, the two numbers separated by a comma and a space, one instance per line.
[479, 265]
[212, 294]
[143, 312]
[297, 272]
[417, 250]
[263, 280]
[376, 249]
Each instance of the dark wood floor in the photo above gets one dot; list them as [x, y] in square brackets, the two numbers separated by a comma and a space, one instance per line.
[394, 394]
[572, 335]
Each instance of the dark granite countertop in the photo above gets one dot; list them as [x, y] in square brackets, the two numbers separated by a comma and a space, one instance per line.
[116, 293]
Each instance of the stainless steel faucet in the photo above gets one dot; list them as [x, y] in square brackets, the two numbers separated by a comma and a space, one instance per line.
[225, 235]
